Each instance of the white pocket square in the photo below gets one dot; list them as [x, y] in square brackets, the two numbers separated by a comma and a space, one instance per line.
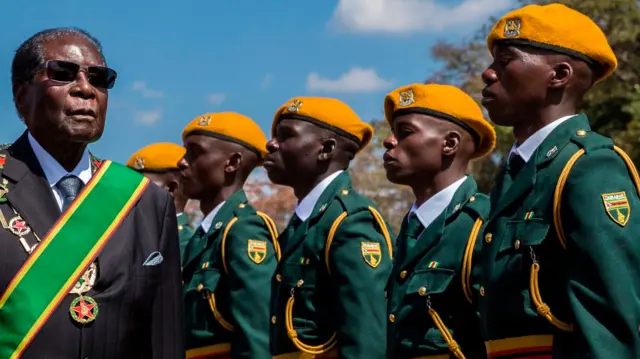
[154, 259]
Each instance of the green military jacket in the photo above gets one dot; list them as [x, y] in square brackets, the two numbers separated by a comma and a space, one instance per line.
[331, 295]
[436, 273]
[582, 301]
[227, 283]
[185, 231]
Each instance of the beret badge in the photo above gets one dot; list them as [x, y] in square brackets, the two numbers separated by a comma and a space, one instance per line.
[406, 98]
[512, 28]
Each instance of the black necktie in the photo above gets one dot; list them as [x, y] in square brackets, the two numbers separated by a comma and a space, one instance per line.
[410, 233]
[515, 164]
[69, 187]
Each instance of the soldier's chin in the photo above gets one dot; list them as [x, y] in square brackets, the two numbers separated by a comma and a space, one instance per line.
[277, 176]
[394, 177]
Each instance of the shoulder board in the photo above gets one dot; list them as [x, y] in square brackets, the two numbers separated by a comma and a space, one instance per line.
[591, 141]
[479, 205]
[352, 201]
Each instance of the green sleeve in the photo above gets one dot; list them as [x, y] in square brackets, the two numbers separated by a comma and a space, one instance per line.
[603, 259]
[185, 233]
[250, 288]
[358, 295]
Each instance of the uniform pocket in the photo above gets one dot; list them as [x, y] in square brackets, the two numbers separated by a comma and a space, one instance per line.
[528, 233]
[430, 281]
[206, 279]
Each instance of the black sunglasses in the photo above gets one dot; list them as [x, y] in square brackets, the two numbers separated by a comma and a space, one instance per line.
[67, 72]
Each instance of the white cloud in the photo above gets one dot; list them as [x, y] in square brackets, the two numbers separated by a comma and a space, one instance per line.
[141, 87]
[408, 16]
[216, 98]
[357, 79]
[266, 81]
[148, 117]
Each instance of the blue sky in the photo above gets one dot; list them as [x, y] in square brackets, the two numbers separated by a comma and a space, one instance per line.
[177, 60]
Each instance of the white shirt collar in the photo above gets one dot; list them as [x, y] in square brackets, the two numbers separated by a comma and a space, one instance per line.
[531, 144]
[434, 206]
[305, 207]
[208, 219]
[54, 170]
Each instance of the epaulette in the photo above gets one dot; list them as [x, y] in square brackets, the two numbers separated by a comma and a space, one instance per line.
[591, 141]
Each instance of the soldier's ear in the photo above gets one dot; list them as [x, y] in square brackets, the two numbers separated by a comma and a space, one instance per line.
[451, 143]
[327, 149]
[234, 162]
[562, 72]
[172, 186]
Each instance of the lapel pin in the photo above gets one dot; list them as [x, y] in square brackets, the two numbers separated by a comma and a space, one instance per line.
[552, 151]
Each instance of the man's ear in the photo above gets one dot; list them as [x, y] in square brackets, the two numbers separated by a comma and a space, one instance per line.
[562, 72]
[234, 162]
[451, 143]
[19, 98]
[327, 149]
[173, 186]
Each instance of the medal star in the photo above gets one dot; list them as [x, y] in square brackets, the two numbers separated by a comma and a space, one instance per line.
[20, 226]
[84, 309]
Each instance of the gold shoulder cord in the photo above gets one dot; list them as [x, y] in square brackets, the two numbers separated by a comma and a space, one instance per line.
[329, 344]
[541, 307]
[273, 232]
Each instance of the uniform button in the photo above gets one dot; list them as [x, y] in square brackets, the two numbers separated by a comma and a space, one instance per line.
[488, 237]
[581, 133]
[199, 287]
[345, 192]
[473, 198]
[422, 291]
[392, 318]
[180, 227]
[241, 205]
[482, 291]
[403, 274]
[300, 283]
[273, 320]
[278, 277]
[517, 244]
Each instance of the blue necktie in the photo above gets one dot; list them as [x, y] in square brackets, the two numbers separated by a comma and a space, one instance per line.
[69, 187]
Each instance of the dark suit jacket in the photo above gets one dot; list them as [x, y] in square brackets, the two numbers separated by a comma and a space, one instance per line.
[140, 307]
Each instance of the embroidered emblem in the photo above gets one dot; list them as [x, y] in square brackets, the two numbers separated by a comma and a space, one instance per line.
[218, 225]
[512, 28]
[433, 264]
[304, 260]
[295, 106]
[138, 163]
[552, 151]
[528, 216]
[456, 208]
[204, 121]
[322, 208]
[371, 253]
[406, 98]
[617, 207]
[257, 250]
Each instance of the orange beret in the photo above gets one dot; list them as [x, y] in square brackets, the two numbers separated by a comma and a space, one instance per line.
[163, 156]
[329, 113]
[446, 102]
[557, 28]
[229, 126]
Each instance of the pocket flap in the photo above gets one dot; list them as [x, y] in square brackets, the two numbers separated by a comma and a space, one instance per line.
[527, 233]
[298, 275]
[430, 281]
[204, 280]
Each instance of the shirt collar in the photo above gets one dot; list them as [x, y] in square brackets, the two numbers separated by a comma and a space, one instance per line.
[305, 207]
[434, 206]
[531, 144]
[208, 219]
[53, 170]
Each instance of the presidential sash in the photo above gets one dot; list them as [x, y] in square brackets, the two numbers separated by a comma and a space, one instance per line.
[65, 253]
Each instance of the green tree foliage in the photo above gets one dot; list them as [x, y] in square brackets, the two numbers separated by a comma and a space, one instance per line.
[612, 105]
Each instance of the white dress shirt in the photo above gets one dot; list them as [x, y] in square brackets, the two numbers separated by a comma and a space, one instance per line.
[434, 206]
[305, 207]
[54, 171]
[208, 219]
[531, 144]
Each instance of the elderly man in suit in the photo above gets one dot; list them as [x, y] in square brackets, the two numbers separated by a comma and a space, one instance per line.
[89, 257]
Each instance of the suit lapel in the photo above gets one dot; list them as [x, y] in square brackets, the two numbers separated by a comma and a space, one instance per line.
[220, 221]
[293, 241]
[431, 236]
[546, 152]
[30, 193]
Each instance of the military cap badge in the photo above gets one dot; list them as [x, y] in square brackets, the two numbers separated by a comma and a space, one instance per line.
[139, 163]
[295, 106]
[407, 98]
[204, 121]
[512, 28]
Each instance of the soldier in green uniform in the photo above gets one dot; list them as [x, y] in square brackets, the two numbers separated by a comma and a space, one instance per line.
[229, 262]
[436, 130]
[560, 264]
[328, 296]
[159, 163]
